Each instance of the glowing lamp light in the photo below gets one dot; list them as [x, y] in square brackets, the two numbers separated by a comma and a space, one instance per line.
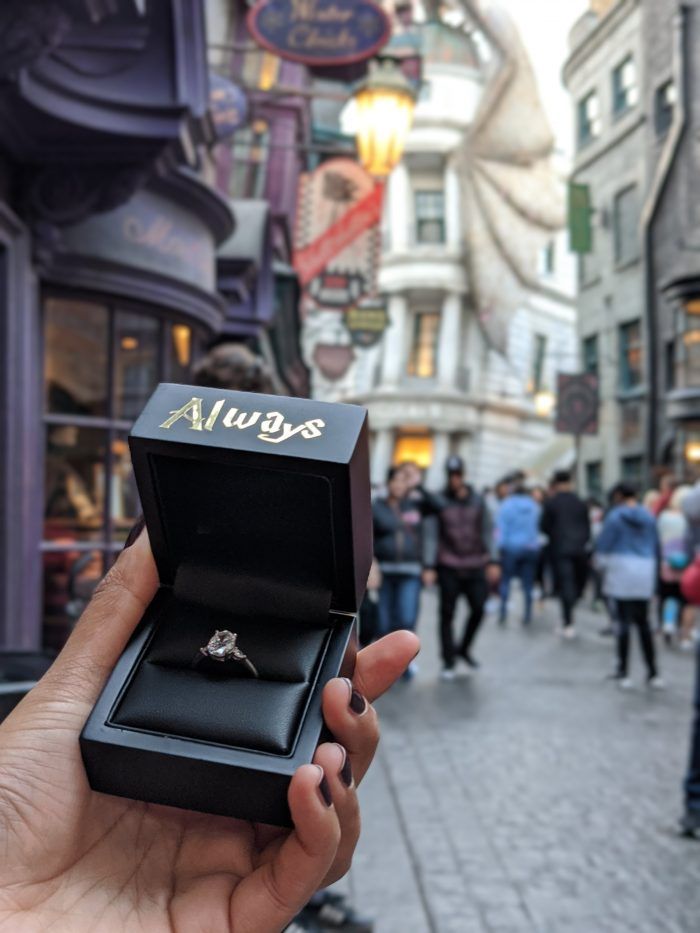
[692, 451]
[384, 105]
[544, 404]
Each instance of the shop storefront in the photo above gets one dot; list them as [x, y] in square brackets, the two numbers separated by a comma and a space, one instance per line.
[107, 282]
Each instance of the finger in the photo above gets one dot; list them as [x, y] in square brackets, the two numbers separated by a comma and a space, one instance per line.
[100, 636]
[337, 766]
[382, 663]
[353, 722]
[268, 899]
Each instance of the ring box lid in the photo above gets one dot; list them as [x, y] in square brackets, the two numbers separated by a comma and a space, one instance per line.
[255, 503]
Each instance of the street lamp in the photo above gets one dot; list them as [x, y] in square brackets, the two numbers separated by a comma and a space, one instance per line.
[545, 403]
[384, 103]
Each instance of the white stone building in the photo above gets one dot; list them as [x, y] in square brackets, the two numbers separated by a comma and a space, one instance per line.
[434, 385]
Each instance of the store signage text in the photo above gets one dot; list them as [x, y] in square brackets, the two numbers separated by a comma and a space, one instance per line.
[273, 429]
[320, 32]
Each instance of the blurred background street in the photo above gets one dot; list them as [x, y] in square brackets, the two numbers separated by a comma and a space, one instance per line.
[530, 796]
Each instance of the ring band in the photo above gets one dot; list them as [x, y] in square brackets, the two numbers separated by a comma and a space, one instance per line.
[222, 647]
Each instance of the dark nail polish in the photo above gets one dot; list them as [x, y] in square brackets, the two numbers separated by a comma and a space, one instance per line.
[358, 704]
[346, 771]
[135, 532]
[325, 792]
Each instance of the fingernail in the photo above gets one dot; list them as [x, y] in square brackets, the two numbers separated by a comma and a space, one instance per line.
[346, 771]
[358, 704]
[324, 790]
[135, 532]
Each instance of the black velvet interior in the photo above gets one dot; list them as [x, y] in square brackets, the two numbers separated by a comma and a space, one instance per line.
[222, 702]
[257, 541]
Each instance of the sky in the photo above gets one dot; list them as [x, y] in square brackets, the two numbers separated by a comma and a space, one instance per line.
[544, 26]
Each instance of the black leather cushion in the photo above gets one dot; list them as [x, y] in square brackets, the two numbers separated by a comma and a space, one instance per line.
[222, 702]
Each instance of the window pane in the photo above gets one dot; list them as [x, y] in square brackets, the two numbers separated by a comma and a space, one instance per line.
[430, 216]
[70, 578]
[414, 448]
[75, 484]
[630, 355]
[179, 367]
[626, 225]
[76, 337]
[137, 346]
[125, 506]
[423, 355]
[538, 360]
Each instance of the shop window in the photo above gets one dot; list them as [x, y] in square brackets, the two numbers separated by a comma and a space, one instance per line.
[539, 356]
[632, 471]
[624, 86]
[101, 364]
[626, 225]
[251, 148]
[414, 447]
[590, 354]
[688, 366]
[630, 344]
[430, 216]
[422, 360]
[594, 479]
[664, 105]
[589, 124]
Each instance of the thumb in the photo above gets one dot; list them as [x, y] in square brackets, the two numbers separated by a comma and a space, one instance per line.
[118, 604]
[294, 868]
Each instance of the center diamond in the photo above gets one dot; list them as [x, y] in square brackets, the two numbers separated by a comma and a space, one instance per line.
[221, 645]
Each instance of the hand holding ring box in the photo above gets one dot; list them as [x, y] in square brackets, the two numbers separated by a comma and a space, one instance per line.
[258, 513]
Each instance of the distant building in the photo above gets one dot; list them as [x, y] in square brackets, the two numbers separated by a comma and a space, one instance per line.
[605, 75]
[671, 41]
[437, 384]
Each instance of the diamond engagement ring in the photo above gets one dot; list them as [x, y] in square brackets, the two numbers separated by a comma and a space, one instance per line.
[222, 647]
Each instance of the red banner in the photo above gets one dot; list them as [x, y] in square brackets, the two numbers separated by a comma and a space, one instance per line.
[311, 260]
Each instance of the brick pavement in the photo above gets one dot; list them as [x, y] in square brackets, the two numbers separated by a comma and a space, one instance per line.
[531, 797]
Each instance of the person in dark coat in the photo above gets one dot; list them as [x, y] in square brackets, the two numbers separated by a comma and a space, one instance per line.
[461, 549]
[566, 524]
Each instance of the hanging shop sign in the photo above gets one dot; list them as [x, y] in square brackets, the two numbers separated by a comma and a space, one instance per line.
[337, 239]
[228, 105]
[366, 323]
[320, 32]
[578, 401]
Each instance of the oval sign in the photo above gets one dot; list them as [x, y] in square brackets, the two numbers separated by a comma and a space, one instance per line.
[228, 105]
[320, 32]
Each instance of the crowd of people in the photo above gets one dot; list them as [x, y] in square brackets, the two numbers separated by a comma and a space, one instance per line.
[631, 553]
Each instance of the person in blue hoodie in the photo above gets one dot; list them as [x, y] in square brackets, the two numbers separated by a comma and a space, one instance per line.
[518, 537]
[627, 554]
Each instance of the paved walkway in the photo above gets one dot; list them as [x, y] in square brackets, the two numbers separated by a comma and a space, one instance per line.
[531, 797]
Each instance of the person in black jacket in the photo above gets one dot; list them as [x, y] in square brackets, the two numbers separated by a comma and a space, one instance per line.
[398, 550]
[566, 524]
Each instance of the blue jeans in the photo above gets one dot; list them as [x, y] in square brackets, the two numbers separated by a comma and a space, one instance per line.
[399, 597]
[692, 779]
[522, 564]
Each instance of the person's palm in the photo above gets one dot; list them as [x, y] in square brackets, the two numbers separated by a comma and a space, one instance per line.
[72, 859]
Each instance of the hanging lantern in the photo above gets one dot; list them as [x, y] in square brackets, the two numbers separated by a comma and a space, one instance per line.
[384, 102]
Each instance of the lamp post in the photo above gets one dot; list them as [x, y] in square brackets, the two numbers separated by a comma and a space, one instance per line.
[384, 102]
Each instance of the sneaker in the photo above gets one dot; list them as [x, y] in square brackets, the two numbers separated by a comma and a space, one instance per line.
[332, 912]
[569, 632]
[686, 644]
[656, 683]
[690, 824]
[624, 683]
[447, 673]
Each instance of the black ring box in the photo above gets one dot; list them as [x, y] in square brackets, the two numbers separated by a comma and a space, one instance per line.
[258, 512]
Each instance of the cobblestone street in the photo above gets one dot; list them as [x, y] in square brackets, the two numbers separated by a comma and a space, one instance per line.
[530, 796]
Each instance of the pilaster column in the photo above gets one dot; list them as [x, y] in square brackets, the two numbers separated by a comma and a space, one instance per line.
[399, 208]
[382, 454]
[453, 208]
[449, 342]
[435, 476]
[393, 361]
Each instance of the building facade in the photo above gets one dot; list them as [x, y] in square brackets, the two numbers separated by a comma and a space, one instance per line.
[671, 38]
[108, 239]
[605, 75]
[434, 385]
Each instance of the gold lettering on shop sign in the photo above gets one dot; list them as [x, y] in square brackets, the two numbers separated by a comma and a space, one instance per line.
[307, 36]
[274, 429]
[306, 10]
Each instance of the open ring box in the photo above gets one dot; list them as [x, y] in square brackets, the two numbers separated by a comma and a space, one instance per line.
[258, 512]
